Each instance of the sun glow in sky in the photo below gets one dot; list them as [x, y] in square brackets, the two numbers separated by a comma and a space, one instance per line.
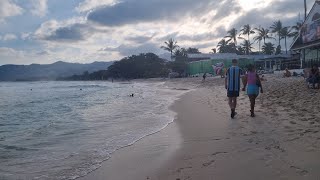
[251, 4]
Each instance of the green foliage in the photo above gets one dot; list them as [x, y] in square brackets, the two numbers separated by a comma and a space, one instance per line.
[191, 50]
[226, 47]
[295, 29]
[286, 33]
[268, 48]
[146, 65]
[232, 35]
[247, 30]
[278, 50]
[276, 27]
[170, 46]
[180, 52]
[247, 46]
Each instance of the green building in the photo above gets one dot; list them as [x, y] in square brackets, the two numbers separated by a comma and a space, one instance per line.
[202, 66]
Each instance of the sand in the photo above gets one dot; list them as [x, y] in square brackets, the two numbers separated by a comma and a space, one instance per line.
[281, 142]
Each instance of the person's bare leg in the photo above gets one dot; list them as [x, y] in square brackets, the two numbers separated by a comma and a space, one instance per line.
[252, 103]
[230, 102]
[234, 102]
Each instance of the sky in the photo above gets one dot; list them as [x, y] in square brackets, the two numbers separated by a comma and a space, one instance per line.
[84, 31]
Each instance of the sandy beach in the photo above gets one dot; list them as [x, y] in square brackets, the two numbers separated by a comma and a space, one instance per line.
[281, 142]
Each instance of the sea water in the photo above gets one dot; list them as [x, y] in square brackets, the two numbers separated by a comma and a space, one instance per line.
[64, 130]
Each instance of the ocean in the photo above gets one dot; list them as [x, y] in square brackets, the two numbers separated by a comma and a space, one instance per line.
[64, 130]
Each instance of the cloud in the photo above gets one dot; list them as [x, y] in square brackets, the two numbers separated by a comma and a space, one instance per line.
[39, 7]
[42, 53]
[9, 37]
[128, 50]
[225, 8]
[11, 56]
[88, 5]
[137, 11]
[8, 8]
[73, 30]
[69, 33]
[139, 39]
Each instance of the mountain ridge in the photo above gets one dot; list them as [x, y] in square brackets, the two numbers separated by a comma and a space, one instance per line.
[33, 72]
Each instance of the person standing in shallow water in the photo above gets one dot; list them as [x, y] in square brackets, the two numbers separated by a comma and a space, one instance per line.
[232, 84]
[253, 82]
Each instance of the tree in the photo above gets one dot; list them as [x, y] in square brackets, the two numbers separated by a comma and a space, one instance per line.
[170, 46]
[181, 52]
[262, 34]
[222, 45]
[143, 65]
[191, 50]
[259, 39]
[247, 30]
[295, 29]
[247, 46]
[232, 35]
[268, 48]
[286, 33]
[241, 50]
[276, 28]
[278, 50]
[214, 50]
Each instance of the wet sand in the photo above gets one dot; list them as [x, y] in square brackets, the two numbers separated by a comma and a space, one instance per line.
[281, 142]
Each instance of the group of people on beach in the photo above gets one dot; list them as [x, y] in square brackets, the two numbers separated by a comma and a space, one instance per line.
[314, 76]
[251, 83]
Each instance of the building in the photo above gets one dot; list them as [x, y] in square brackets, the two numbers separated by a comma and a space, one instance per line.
[201, 63]
[307, 44]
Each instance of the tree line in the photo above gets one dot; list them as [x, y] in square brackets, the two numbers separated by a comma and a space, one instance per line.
[149, 65]
[229, 44]
[277, 31]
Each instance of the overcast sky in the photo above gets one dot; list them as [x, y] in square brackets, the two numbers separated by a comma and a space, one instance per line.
[45, 31]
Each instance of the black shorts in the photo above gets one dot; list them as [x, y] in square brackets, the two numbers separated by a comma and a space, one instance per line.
[233, 94]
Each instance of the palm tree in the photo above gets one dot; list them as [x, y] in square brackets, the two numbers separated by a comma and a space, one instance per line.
[180, 52]
[247, 46]
[241, 50]
[247, 30]
[262, 34]
[171, 45]
[268, 48]
[222, 46]
[286, 33]
[276, 28]
[295, 29]
[259, 39]
[232, 35]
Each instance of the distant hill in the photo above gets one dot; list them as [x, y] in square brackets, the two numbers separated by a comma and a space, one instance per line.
[53, 71]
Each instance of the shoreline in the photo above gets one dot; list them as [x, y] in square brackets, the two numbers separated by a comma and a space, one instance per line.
[204, 143]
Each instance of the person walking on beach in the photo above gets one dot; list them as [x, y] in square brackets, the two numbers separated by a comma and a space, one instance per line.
[232, 84]
[204, 77]
[253, 82]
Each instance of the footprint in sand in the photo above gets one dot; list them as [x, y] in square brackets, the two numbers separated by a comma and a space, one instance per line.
[181, 169]
[292, 122]
[208, 163]
[212, 161]
[300, 171]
